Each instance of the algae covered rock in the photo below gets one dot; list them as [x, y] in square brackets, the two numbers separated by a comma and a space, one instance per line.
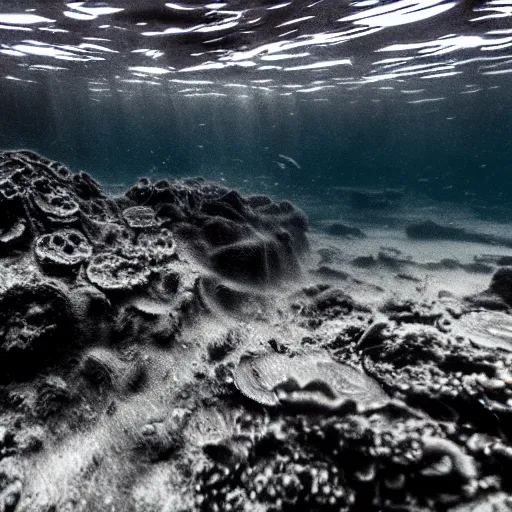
[35, 327]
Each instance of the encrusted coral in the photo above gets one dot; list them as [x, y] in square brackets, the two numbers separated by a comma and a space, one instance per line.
[369, 461]
[245, 240]
[64, 249]
[420, 362]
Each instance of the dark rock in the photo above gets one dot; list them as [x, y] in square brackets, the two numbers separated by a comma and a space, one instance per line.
[219, 231]
[331, 273]
[345, 231]
[220, 209]
[364, 261]
[430, 230]
[258, 201]
[257, 260]
[36, 328]
[371, 199]
[408, 277]
[170, 212]
[501, 284]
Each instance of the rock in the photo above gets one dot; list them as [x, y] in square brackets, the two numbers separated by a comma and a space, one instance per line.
[345, 231]
[501, 284]
[35, 328]
[430, 230]
[371, 199]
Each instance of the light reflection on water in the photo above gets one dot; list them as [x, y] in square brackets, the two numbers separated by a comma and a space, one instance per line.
[317, 45]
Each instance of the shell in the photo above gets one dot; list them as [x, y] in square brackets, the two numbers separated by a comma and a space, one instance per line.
[258, 377]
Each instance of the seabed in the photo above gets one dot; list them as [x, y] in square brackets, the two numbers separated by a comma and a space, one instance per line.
[181, 347]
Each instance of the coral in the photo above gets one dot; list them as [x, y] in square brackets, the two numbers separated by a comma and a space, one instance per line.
[63, 250]
[409, 311]
[115, 271]
[371, 461]
[421, 363]
[247, 241]
[140, 217]
[53, 395]
[104, 369]
[215, 295]
[257, 260]
[219, 231]
[133, 349]
[159, 439]
[11, 484]
[219, 349]
[321, 303]
[46, 195]
[157, 249]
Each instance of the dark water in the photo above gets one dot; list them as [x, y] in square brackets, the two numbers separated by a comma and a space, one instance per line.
[403, 94]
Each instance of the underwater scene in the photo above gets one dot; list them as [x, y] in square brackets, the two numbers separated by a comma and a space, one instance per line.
[256, 256]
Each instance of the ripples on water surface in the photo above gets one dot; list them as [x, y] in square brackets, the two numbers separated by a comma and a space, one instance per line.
[367, 41]
[362, 92]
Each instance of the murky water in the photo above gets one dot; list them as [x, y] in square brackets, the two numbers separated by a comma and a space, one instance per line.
[269, 96]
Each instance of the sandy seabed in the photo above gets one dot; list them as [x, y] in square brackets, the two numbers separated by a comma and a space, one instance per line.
[182, 347]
